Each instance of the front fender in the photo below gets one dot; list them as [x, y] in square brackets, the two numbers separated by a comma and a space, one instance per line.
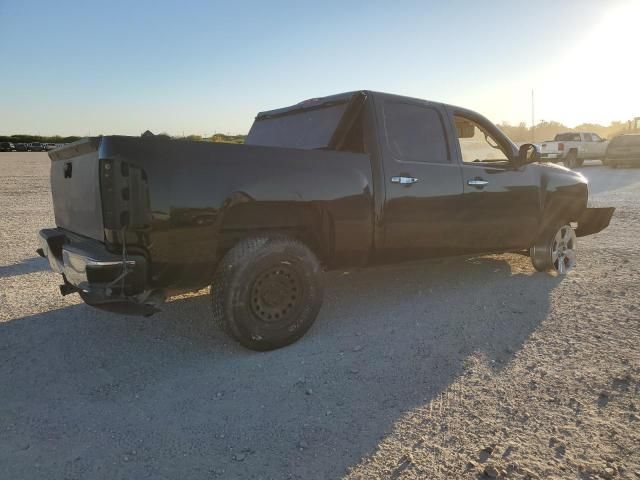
[564, 196]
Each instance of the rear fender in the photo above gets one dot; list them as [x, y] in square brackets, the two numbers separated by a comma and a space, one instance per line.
[308, 222]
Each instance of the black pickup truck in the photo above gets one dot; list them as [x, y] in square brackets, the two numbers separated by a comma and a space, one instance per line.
[347, 180]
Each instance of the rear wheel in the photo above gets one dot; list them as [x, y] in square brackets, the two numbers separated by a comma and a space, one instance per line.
[555, 250]
[267, 291]
[571, 160]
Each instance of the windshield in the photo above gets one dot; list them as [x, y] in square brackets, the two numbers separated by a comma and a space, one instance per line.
[306, 129]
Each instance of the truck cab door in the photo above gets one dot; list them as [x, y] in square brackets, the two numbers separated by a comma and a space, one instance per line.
[598, 147]
[422, 179]
[501, 201]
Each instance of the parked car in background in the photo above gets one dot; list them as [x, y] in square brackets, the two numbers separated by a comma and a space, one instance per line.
[35, 147]
[7, 147]
[623, 150]
[21, 147]
[49, 146]
[353, 179]
[573, 148]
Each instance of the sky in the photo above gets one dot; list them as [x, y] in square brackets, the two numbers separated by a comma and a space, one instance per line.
[201, 67]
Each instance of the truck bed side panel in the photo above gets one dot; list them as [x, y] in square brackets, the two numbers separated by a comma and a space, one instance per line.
[198, 191]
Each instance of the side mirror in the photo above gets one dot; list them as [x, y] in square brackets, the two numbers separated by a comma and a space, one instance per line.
[528, 153]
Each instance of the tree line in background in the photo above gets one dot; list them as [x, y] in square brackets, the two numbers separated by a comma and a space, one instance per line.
[517, 133]
[548, 130]
[38, 138]
[217, 138]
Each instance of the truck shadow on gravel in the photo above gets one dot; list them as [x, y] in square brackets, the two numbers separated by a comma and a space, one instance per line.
[86, 394]
[29, 265]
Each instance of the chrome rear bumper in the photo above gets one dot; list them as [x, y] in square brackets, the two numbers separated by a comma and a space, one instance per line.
[80, 259]
[103, 279]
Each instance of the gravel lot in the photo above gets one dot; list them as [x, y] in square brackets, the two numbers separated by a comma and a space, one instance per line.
[454, 368]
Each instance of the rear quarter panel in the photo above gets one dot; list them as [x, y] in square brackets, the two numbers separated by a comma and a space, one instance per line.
[206, 196]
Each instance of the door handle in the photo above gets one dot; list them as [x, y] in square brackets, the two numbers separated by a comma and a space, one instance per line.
[477, 182]
[404, 180]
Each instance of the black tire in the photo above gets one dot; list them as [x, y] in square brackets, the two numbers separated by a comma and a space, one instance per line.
[267, 291]
[571, 160]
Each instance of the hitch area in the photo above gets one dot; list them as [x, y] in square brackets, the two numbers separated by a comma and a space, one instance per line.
[67, 289]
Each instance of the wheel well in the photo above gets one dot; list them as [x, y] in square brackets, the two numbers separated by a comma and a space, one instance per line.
[559, 211]
[309, 224]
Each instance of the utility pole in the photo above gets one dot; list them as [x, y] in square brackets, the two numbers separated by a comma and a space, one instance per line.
[533, 120]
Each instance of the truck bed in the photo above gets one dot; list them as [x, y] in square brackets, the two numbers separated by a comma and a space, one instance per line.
[171, 199]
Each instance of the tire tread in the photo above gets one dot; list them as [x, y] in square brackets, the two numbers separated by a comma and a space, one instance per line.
[244, 251]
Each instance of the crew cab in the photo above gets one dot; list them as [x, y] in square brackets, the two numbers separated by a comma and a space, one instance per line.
[352, 179]
[573, 148]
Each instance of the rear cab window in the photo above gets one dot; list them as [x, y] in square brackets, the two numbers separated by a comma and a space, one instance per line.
[306, 128]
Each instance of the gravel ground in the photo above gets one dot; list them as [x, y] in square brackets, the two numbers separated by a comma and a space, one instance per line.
[453, 368]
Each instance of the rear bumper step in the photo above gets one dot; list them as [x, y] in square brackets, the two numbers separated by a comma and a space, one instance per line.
[103, 279]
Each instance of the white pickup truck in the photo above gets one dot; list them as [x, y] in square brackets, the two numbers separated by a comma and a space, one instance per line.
[574, 148]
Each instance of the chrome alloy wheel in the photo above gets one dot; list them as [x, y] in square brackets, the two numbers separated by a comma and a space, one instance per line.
[555, 251]
[563, 250]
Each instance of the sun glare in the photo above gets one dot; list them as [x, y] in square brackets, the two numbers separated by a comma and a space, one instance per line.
[597, 79]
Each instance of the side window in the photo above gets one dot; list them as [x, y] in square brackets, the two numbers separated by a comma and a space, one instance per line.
[476, 144]
[415, 133]
[587, 137]
[595, 137]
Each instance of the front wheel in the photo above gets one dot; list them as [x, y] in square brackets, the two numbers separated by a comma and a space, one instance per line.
[267, 291]
[555, 250]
